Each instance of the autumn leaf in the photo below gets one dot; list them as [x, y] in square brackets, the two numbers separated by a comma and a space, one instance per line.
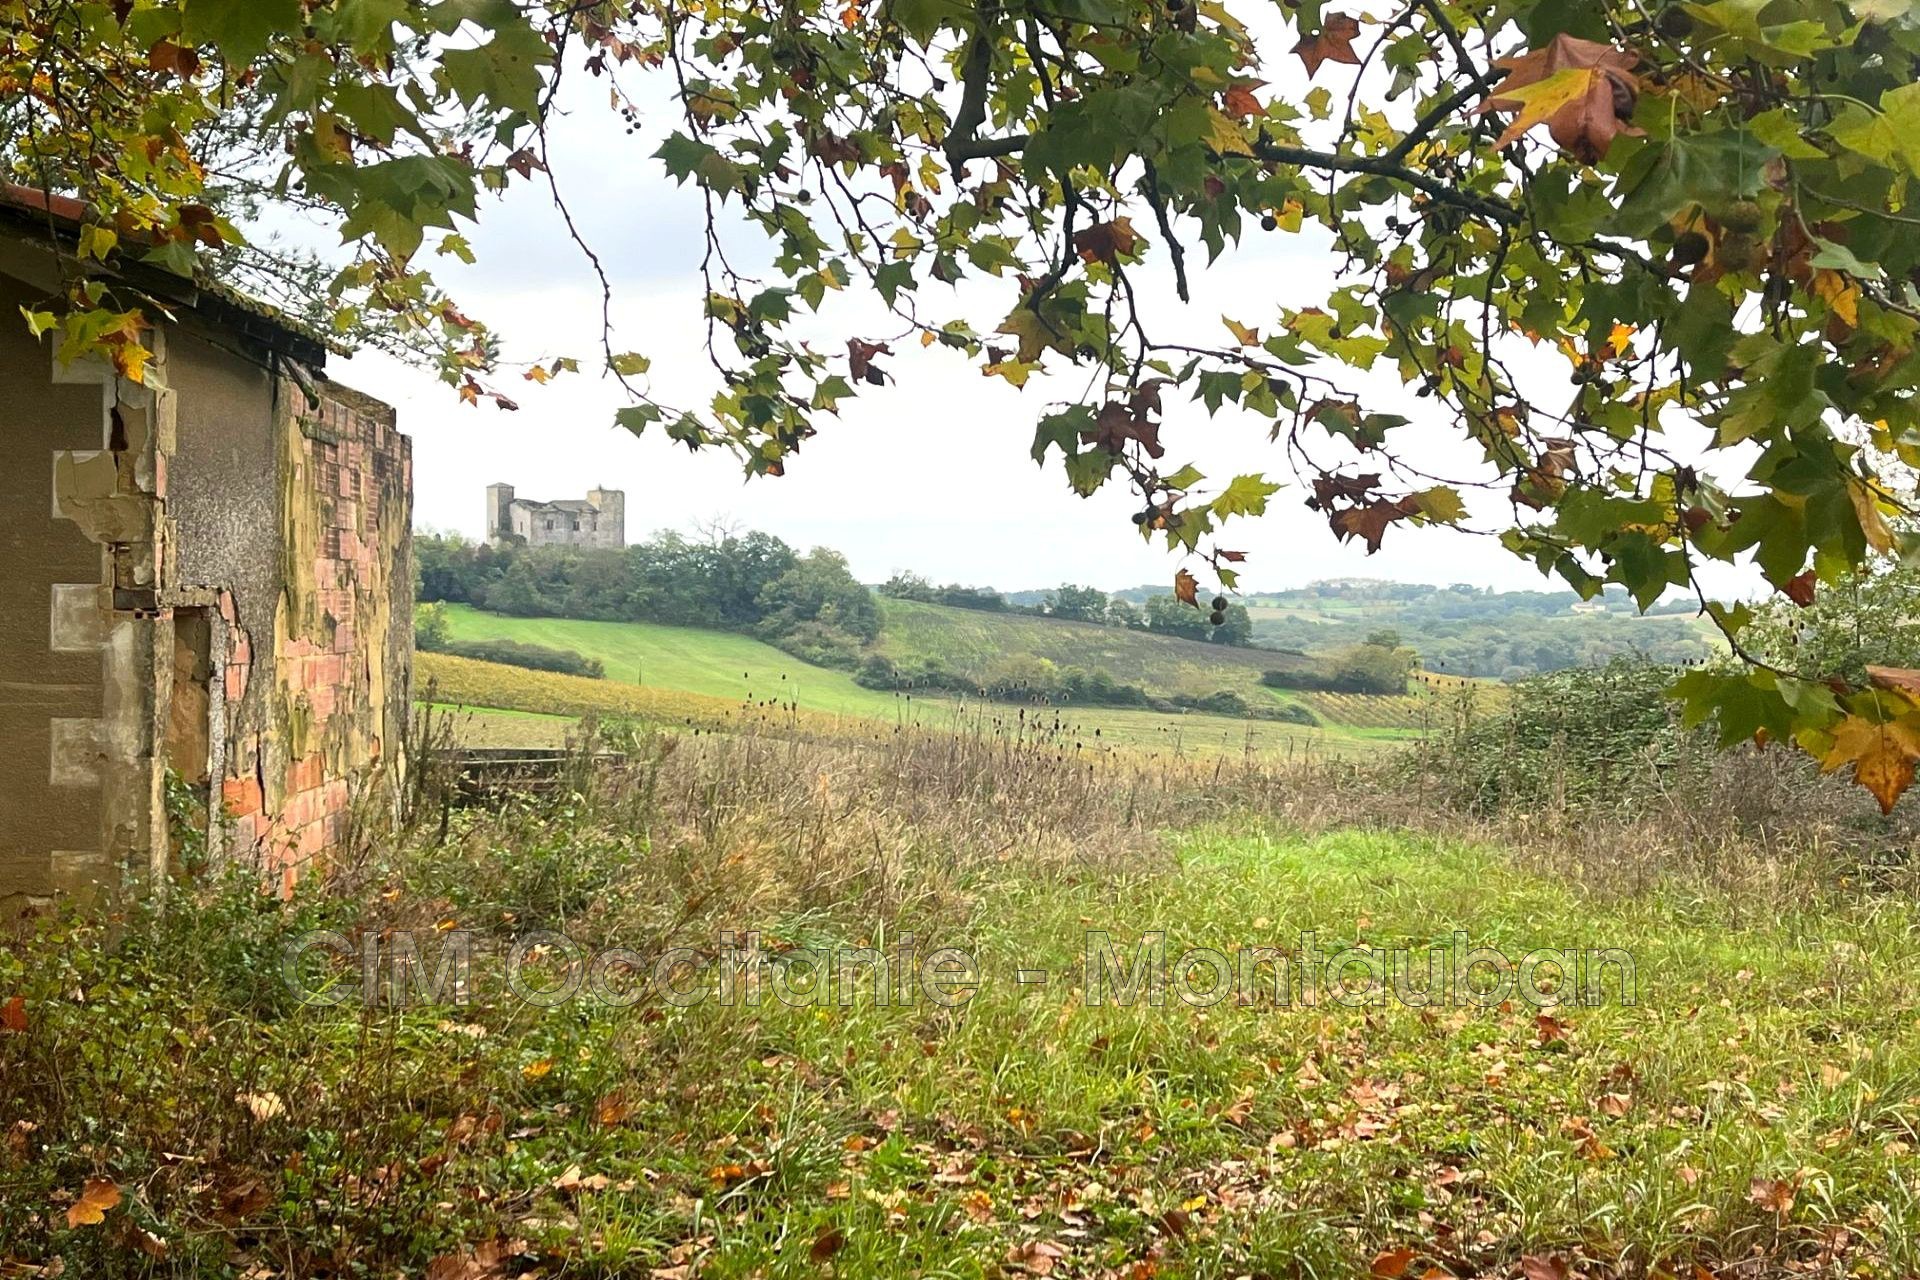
[829, 1242]
[1332, 43]
[13, 1014]
[263, 1106]
[1186, 588]
[860, 360]
[1391, 1264]
[1582, 90]
[1239, 102]
[1841, 295]
[1241, 333]
[1801, 588]
[1893, 679]
[1772, 1194]
[612, 1109]
[96, 1197]
[1116, 424]
[1882, 756]
[1535, 1267]
[1038, 1257]
[1107, 241]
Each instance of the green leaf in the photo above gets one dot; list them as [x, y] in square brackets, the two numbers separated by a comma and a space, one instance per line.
[239, 29]
[637, 417]
[39, 322]
[1891, 137]
[364, 25]
[1708, 169]
[1245, 496]
[504, 73]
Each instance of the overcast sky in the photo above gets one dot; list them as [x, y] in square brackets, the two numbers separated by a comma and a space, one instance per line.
[930, 474]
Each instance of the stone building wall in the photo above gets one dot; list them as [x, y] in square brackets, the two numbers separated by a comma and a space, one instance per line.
[209, 573]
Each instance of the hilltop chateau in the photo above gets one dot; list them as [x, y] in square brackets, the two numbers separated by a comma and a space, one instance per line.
[597, 522]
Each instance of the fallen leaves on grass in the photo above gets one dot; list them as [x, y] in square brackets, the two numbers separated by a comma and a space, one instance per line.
[96, 1197]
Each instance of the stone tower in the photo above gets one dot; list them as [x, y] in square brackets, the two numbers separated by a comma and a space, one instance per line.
[611, 527]
[499, 510]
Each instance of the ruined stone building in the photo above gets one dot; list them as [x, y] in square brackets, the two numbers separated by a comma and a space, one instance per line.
[207, 586]
[598, 523]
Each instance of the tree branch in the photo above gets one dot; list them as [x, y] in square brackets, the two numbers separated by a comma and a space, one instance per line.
[1380, 167]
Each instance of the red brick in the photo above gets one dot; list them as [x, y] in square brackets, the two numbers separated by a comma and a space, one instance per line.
[305, 775]
[241, 796]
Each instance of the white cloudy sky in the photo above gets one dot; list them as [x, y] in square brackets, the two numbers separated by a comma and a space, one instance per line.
[930, 474]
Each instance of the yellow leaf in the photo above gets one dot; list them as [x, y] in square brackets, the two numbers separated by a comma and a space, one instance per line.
[1242, 334]
[1539, 101]
[1621, 339]
[1224, 136]
[1873, 524]
[1882, 756]
[130, 361]
[1013, 371]
[1840, 293]
[98, 1196]
[1290, 215]
[534, 1070]
[97, 242]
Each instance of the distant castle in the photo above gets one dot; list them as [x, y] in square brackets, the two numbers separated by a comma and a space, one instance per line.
[599, 522]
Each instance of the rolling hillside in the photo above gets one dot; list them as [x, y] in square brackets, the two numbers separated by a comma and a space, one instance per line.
[725, 672]
[971, 642]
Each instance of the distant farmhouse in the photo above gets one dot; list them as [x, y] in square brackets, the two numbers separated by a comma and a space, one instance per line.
[597, 522]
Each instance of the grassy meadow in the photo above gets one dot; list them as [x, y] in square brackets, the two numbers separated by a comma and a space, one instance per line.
[972, 640]
[1751, 1110]
[711, 678]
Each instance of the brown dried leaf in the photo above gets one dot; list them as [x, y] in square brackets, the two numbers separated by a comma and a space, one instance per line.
[1332, 43]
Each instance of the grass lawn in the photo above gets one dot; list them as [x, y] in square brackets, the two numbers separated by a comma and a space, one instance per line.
[729, 671]
[1752, 1112]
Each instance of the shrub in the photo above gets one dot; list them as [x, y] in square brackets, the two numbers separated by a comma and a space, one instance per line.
[534, 657]
[1568, 738]
[1361, 668]
[430, 631]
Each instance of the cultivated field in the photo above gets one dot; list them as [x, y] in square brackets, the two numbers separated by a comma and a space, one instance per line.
[668, 674]
[556, 701]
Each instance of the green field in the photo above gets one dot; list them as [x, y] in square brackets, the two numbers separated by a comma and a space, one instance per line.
[971, 641]
[743, 670]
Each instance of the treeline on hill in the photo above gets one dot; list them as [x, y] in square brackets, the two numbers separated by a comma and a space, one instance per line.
[1161, 614]
[1464, 630]
[809, 605]
[1380, 664]
[1027, 677]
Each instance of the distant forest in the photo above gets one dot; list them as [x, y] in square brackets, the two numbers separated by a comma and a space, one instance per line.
[1470, 631]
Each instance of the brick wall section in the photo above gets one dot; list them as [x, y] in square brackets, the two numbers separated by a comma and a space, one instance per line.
[343, 630]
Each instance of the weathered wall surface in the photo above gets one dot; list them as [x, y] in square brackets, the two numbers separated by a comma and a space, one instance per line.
[317, 716]
[215, 576]
[50, 629]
